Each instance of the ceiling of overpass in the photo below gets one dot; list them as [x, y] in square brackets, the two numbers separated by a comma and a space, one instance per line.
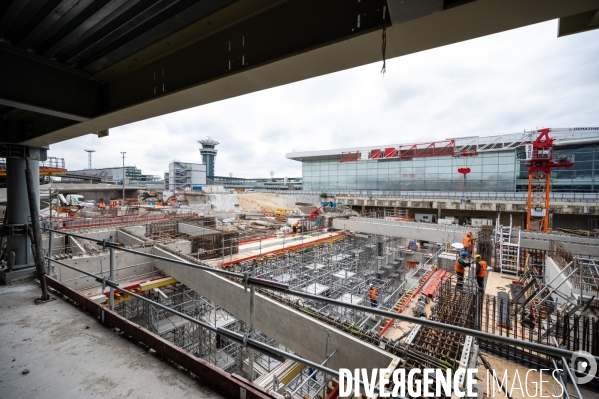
[74, 67]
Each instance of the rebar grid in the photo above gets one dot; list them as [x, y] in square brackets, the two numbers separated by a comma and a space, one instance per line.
[437, 349]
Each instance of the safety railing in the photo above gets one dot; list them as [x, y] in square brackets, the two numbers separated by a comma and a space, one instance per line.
[449, 195]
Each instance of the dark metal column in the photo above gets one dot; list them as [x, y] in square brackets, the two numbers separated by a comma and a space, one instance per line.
[17, 211]
[19, 261]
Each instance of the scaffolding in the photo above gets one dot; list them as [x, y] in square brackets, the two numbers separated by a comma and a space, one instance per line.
[344, 269]
[218, 350]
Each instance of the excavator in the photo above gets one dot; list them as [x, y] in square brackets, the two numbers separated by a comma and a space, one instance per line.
[172, 200]
[315, 213]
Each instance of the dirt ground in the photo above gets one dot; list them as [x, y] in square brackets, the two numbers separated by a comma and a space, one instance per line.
[256, 201]
[496, 283]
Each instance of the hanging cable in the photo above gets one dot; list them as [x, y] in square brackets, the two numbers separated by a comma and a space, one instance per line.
[384, 45]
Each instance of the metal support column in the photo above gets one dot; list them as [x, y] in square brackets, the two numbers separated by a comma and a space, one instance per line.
[326, 355]
[252, 322]
[36, 231]
[112, 264]
[19, 253]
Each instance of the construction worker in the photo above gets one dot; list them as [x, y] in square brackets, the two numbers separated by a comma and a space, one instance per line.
[481, 272]
[468, 242]
[372, 294]
[295, 226]
[460, 267]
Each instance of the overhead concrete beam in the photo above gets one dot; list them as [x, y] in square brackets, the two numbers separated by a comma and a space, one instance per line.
[391, 228]
[300, 333]
[436, 233]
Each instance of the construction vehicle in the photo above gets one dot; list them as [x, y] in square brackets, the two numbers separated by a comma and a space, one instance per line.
[147, 196]
[72, 200]
[69, 205]
[172, 200]
[541, 162]
[283, 211]
[315, 213]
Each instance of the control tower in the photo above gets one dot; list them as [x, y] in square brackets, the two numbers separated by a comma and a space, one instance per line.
[208, 154]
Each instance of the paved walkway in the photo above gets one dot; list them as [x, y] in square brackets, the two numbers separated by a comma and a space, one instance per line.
[71, 355]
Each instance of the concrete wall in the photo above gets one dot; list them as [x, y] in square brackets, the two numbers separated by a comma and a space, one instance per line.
[129, 265]
[195, 198]
[127, 239]
[57, 243]
[576, 245]
[296, 331]
[552, 270]
[417, 231]
[195, 230]
[99, 235]
[182, 246]
[137, 230]
[289, 201]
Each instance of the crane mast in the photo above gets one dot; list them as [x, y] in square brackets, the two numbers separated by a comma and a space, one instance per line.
[539, 155]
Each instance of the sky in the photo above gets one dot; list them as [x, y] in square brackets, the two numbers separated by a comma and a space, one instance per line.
[504, 83]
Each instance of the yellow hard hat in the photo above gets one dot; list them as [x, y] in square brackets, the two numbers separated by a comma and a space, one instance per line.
[478, 257]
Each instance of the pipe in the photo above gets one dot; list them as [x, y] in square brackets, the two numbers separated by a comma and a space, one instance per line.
[37, 232]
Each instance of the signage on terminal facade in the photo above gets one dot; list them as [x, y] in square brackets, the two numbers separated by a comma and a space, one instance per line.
[528, 152]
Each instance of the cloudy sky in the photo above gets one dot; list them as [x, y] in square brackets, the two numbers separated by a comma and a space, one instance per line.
[504, 83]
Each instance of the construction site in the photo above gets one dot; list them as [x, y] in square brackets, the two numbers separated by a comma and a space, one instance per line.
[283, 290]
[255, 295]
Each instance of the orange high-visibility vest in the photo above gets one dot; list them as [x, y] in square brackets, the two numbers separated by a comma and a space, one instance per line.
[483, 269]
[467, 241]
[372, 293]
[459, 268]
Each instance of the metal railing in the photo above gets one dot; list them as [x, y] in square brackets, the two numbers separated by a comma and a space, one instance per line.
[448, 195]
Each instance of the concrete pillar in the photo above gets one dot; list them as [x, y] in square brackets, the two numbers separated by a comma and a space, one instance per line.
[17, 211]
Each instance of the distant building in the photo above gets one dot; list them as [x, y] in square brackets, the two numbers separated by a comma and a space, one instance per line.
[277, 183]
[185, 175]
[208, 154]
[486, 164]
[114, 175]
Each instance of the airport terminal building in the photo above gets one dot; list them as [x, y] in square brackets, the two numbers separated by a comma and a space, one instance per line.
[465, 164]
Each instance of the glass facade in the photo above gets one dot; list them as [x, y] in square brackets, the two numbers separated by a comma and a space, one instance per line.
[497, 171]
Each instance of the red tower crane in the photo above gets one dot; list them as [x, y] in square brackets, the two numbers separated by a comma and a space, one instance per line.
[539, 155]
